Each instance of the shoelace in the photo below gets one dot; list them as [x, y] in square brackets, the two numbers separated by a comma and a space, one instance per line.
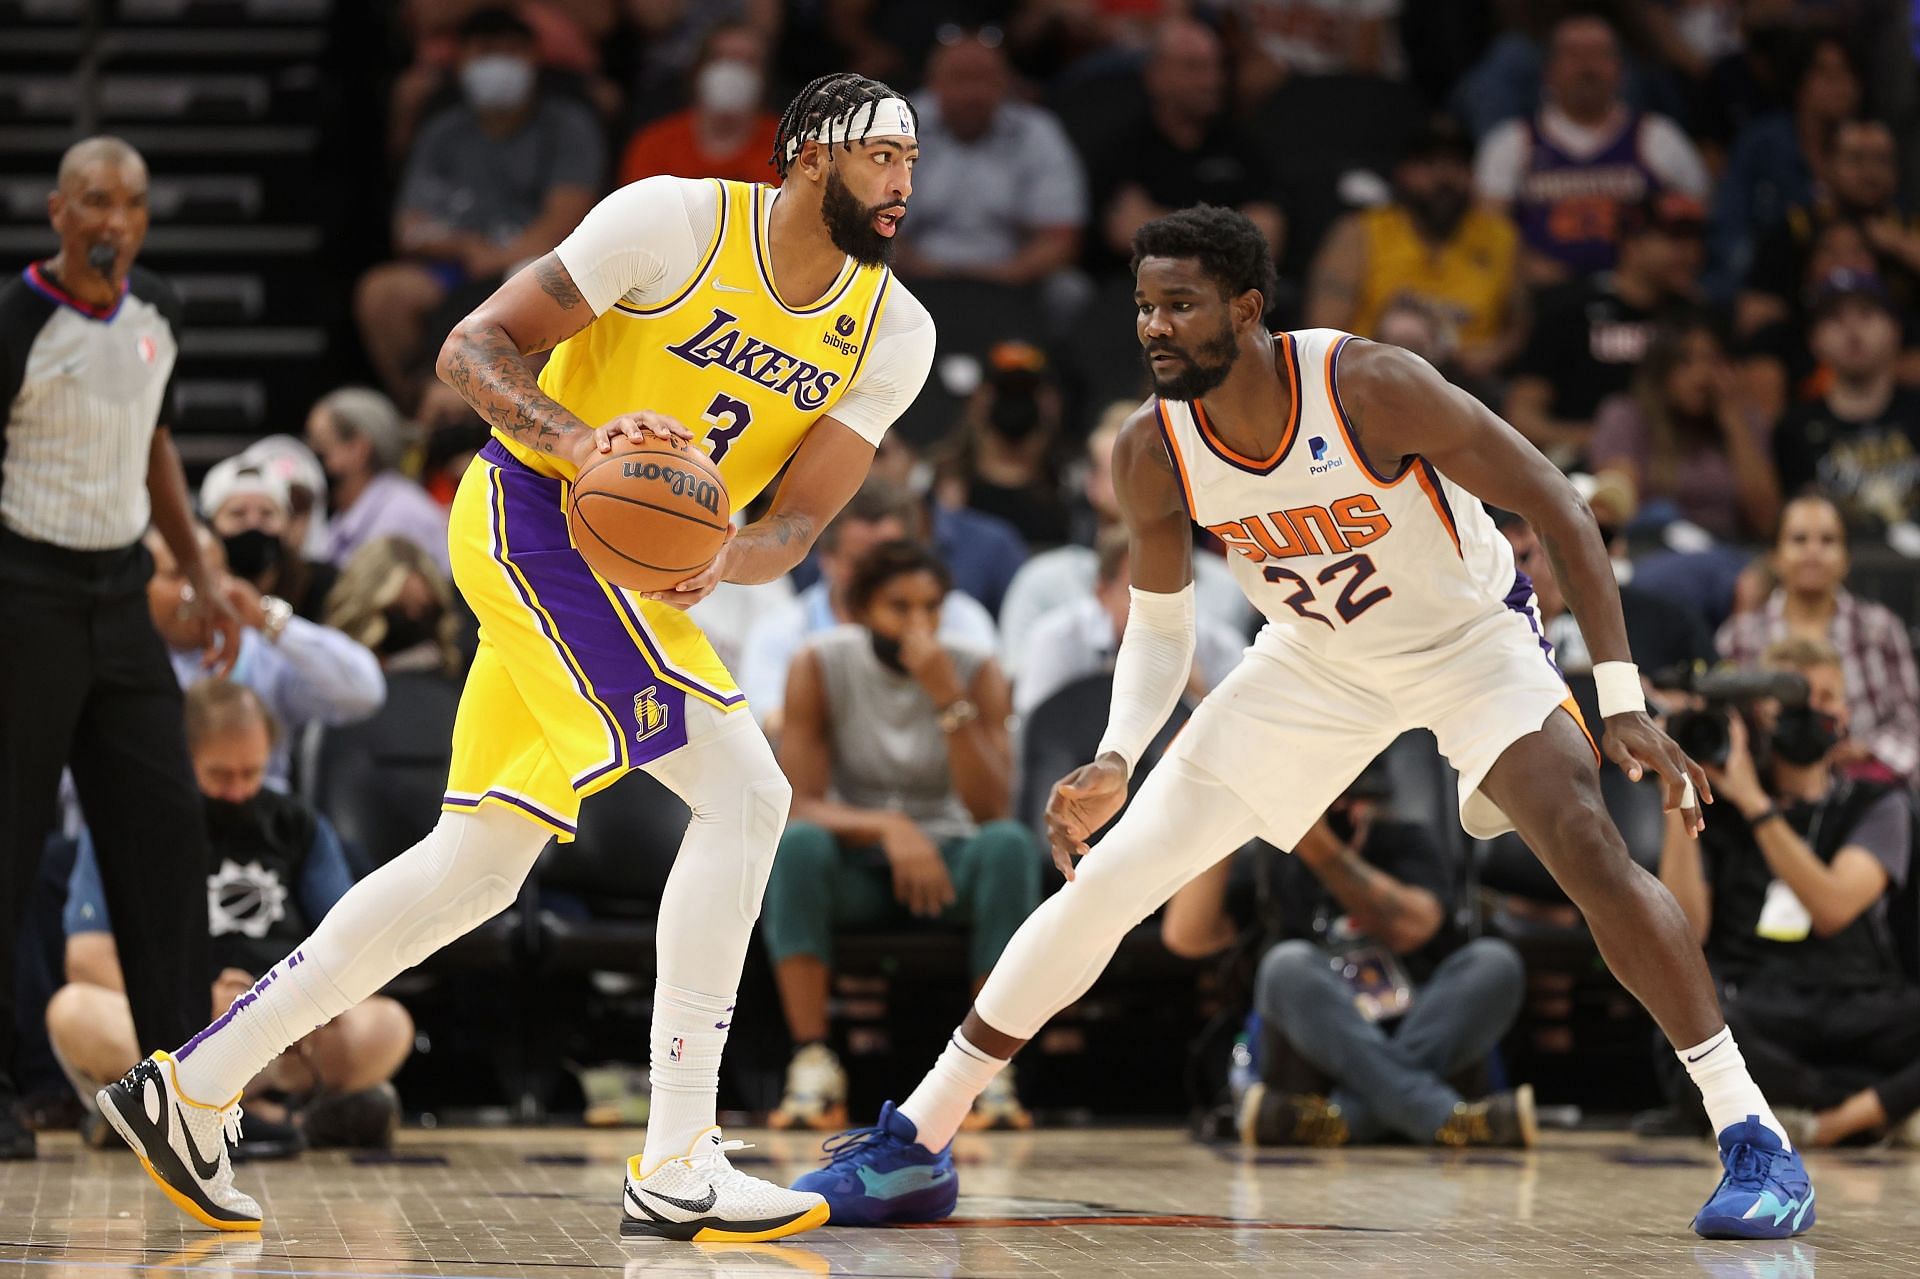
[717, 1155]
[230, 1126]
[1747, 1168]
[849, 1144]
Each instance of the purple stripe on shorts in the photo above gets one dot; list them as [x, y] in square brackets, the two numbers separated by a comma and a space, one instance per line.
[646, 638]
[1518, 599]
[474, 801]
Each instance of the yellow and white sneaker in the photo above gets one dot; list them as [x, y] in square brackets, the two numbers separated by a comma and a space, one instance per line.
[699, 1196]
[185, 1145]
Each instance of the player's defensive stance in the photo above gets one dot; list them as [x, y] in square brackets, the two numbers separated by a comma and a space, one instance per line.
[766, 320]
[1346, 478]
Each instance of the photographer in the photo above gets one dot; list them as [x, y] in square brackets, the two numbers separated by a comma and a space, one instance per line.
[1787, 888]
[1367, 992]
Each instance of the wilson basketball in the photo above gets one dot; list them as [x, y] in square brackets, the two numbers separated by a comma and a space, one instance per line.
[649, 516]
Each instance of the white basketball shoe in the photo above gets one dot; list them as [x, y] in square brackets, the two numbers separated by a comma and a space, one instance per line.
[185, 1145]
[701, 1197]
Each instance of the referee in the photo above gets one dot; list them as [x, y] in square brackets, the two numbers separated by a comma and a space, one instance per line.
[87, 346]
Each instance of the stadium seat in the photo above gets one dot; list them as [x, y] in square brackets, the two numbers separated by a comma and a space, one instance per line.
[380, 781]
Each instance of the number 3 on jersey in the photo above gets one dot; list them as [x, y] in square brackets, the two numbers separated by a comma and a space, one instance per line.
[1348, 605]
[726, 417]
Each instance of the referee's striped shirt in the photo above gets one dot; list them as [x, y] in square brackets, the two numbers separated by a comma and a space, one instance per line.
[82, 388]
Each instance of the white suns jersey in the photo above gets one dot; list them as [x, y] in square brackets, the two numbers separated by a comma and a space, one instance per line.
[1343, 560]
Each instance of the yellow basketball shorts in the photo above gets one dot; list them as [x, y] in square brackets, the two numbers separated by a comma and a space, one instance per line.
[576, 681]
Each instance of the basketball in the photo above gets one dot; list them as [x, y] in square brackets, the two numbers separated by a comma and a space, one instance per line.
[648, 516]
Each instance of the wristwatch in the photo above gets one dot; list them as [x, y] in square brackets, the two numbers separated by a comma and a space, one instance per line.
[278, 612]
[1764, 816]
[956, 713]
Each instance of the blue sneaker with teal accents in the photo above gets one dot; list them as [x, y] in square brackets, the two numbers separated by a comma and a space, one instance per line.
[881, 1174]
[1766, 1193]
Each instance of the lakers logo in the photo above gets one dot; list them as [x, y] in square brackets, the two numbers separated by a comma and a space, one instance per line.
[648, 712]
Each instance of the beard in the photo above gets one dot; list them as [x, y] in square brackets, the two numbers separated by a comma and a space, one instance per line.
[1205, 367]
[1439, 214]
[850, 223]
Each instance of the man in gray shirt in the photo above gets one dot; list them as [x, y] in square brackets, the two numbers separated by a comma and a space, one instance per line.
[492, 182]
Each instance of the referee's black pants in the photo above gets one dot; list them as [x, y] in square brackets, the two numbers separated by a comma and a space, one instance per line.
[85, 682]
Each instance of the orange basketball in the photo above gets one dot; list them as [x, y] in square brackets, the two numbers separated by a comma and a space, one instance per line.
[649, 516]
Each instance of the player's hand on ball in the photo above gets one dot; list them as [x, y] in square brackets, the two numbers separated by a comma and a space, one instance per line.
[637, 427]
[1082, 802]
[1636, 744]
[920, 879]
[701, 584]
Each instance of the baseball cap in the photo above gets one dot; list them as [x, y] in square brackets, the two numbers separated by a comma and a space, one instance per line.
[1844, 283]
[238, 477]
[1438, 135]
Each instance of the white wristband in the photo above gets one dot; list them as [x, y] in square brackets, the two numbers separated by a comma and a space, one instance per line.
[1618, 684]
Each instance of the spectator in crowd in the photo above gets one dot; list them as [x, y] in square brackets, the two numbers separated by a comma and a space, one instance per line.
[1661, 632]
[1778, 364]
[1859, 183]
[1081, 636]
[250, 509]
[896, 744]
[275, 869]
[289, 460]
[1000, 458]
[1568, 174]
[1414, 325]
[1859, 443]
[880, 511]
[1770, 169]
[1066, 573]
[1185, 150]
[982, 551]
[1788, 888]
[1686, 440]
[361, 440]
[1811, 602]
[393, 600]
[492, 182]
[1586, 343]
[658, 43]
[1410, 1005]
[1000, 196]
[1431, 243]
[304, 672]
[727, 132]
[1317, 37]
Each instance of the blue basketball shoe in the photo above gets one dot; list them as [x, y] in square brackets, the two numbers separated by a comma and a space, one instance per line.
[880, 1174]
[1765, 1194]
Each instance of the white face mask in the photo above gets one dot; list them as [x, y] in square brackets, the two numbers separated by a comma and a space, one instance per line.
[728, 86]
[497, 82]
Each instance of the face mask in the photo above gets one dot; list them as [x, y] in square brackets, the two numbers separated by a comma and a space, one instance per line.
[1803, 735]
[252, 552]
[1014, 415]
[888, 651]
[497, 82]
[727, 86]
[227, 820]
[404, 631]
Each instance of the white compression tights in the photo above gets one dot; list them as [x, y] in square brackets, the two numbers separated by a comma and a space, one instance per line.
[470, 867]
[1183, 820]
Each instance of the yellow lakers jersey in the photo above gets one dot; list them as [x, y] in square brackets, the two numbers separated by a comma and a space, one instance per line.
[1470, 280]
[726, 355]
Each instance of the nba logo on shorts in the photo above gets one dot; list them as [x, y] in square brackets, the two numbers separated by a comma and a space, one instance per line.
[677, 1047]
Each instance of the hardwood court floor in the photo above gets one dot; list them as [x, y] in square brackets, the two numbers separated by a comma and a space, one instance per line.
[543, 1204]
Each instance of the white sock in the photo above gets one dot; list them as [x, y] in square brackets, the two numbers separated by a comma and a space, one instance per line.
[1728, 1091]
[292, 1001]
[944, 1097]
[689, 1034]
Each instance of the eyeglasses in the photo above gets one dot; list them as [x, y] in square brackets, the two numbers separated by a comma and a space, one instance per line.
[952, 33]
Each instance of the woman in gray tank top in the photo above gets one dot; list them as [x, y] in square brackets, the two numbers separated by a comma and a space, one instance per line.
[902, 771]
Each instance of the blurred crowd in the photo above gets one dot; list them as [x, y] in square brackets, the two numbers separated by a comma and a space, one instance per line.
[1668, 240]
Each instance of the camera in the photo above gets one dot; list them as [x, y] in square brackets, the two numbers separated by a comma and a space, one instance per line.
[1706, 734]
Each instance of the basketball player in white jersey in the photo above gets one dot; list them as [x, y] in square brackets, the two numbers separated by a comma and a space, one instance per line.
[1346, 478]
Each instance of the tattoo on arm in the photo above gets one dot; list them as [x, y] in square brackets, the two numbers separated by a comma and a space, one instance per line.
[768, 548]
[556, 283]
[492, 375]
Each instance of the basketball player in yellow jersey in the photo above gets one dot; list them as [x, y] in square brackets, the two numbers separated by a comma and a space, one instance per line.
[762, 325]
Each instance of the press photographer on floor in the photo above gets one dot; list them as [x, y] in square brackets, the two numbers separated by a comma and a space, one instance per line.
[1789, 889]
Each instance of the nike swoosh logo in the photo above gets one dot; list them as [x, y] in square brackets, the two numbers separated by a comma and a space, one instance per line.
[684, 1205]
[728, 288]
[902, 1181]
[207, 1169]
[1703, 1056]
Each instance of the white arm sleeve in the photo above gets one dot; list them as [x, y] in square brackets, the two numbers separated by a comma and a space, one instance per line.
[894, 371]
[1503, 153]
[1151, 669]
[1671, 155]
[642, 243]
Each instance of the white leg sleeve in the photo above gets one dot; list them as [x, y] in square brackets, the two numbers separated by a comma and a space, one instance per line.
[468, 869]
[1183, 820]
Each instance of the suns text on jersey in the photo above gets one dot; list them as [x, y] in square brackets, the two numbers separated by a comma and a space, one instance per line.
[1343, 525]
[722, 341]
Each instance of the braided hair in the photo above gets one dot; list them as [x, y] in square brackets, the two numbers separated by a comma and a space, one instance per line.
[825, 99]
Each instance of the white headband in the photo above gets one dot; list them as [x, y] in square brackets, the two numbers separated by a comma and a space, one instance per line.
[887, 117]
